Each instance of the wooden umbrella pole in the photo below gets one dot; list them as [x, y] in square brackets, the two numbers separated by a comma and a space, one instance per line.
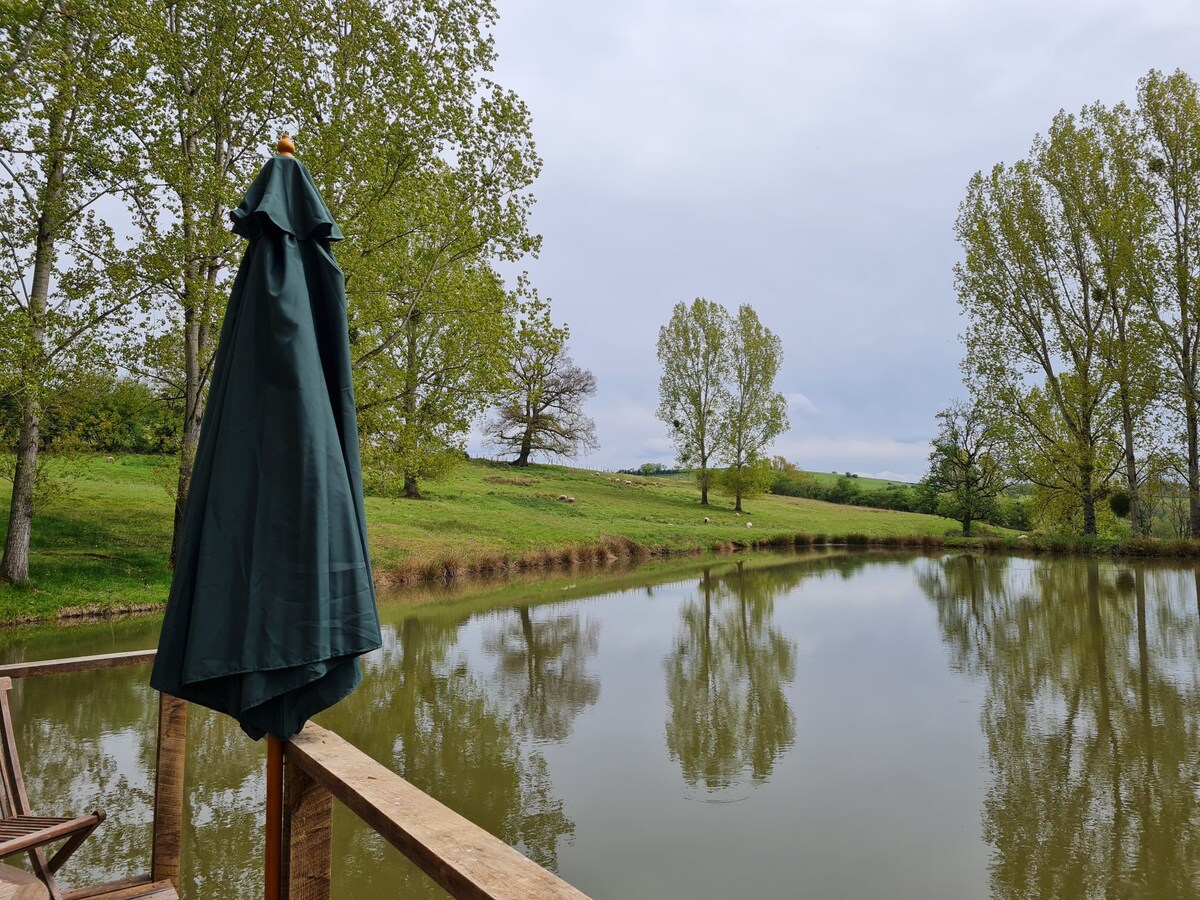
[273, 854]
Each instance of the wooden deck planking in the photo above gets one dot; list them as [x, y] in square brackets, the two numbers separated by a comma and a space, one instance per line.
[158, 890]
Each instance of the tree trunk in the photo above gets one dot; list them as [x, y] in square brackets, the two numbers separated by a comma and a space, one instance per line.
[1193, 464]
[1089, 501]
[966, 524]
[190, 439]
[193, 412]
[737, 498]
[703, 484]
[412, 490]
[526, 448]
[1131, 479]
[14, 567]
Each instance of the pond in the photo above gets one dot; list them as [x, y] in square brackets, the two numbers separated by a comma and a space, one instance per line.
[828, 725]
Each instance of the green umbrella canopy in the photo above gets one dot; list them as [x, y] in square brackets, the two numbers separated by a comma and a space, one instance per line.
[272, 599]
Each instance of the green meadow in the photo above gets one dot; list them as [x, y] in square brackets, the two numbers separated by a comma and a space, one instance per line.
[104, 546]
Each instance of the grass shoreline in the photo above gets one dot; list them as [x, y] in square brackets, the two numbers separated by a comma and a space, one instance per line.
[622, 555]
[103, 551]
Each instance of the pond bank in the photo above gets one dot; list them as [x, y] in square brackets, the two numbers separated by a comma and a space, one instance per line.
[425, 581]
[104, 550]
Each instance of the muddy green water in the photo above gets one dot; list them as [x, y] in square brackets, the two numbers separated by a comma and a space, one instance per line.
[824, 726]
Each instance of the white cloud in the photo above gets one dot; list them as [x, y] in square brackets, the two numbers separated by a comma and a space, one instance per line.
[801, 405]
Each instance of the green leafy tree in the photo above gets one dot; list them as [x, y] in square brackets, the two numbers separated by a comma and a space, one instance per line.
[692, 388]
[1028, 288]
[541, 406]
[1092, 160]
[744, 482]
[967, 471]
[426, 164]
[215, 97]
[1168, 160]
[752, 412]
[417, 399]
[64, 145]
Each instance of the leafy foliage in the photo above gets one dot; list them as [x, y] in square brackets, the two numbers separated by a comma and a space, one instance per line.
[717, 392]
[967, 470]
[692, 388]
[753, 413]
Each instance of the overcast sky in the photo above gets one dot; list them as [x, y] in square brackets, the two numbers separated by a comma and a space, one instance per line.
[807, 158]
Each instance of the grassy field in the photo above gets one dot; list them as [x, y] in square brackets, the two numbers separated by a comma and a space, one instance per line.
[829, 479]
[105, 546]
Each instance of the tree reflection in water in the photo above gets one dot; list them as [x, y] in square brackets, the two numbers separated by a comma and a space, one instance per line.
[448, 735]
[542, 670]
[729, 716]
[421, 710]
[1092, 721]
[80, 753]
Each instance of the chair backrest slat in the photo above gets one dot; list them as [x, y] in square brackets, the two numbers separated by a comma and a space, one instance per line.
[13, 801]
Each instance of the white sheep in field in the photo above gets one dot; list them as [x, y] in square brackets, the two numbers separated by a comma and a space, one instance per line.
[749, 524]
[563, 498]
[570, 499]
[738, 514]
[627, 481]
[706, 520]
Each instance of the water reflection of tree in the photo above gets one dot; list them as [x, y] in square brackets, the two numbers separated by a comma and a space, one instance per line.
[542, 670]
[426, 714]
[1092, 720]
[85, 746]
[729, 716]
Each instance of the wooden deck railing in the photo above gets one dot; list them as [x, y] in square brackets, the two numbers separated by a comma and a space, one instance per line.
[457, 854]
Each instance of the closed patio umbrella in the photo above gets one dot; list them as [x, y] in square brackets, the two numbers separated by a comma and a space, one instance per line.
[272, 599]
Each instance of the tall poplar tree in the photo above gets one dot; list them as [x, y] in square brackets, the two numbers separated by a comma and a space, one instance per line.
[752, 412]
[1169, 162]
[1090, 162]
[426, 163]
[692, 387]
[1038, 331]
[219, 82]
[65, 88]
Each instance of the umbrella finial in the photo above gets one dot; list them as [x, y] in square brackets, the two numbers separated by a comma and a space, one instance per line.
[286, 146]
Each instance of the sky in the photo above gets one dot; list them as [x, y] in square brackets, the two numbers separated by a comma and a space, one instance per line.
[807, 158]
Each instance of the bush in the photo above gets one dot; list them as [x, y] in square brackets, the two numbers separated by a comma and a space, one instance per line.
[106, 414]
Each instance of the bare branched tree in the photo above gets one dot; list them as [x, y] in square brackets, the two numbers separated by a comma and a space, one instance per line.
[541, 410]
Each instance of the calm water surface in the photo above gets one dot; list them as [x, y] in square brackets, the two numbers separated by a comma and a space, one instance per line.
[822, 726]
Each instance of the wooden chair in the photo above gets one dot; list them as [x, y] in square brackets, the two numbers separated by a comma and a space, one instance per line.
[20, 830]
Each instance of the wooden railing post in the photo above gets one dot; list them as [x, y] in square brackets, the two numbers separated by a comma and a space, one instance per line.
[168, 789]
[307, 836]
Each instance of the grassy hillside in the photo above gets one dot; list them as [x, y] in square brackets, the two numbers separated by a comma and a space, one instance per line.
[867, 484]
[106, 545]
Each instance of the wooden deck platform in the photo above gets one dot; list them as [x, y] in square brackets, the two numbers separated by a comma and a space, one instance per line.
[17, 884]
